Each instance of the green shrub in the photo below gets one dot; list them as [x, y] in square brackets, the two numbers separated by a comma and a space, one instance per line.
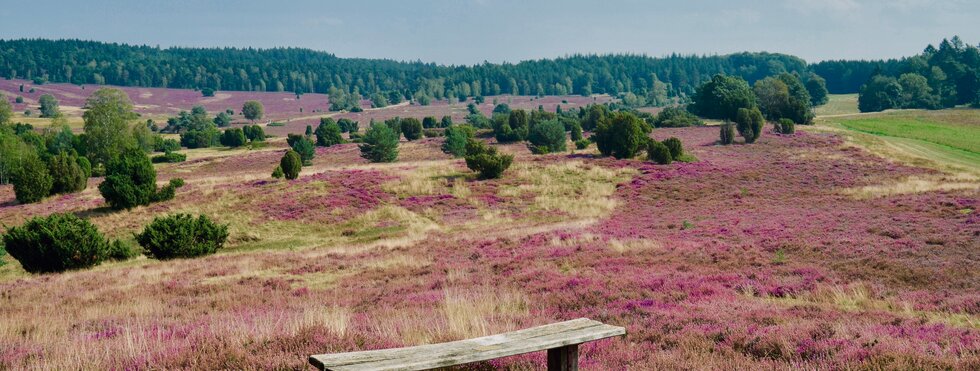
[429, 122]
[165, 145]
[56, 243]
[380, 144]
[659, 153]
[182, 236]
[675, 147]
[130, 180]
[277, 172]
[254, 133]
[727, 133]
[304, 147]
[675, 117]
[411, 128]
[550, 135]
[32, 181]
[785, 126]
[582, 143]
[486, 160]
[121, 251]
[620, 135]
[446, 122]
[749, 123]
[276, 124]
[456, 138]
[234, 137]
[67, 175]
[169, 157]
[431, 133]
[290, 164]
[576, 131]
[85, 165]
[205, 138]
[168, 191]
[328, 133]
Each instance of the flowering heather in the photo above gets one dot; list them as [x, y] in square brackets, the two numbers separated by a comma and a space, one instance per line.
[754, 257]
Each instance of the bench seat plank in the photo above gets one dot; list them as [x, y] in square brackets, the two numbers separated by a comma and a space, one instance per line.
[430, 356]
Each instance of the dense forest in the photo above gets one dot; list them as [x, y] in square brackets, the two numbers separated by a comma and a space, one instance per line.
[303, 70]
[950, 71]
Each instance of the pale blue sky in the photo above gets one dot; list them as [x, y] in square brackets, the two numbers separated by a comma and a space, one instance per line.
[471, 31]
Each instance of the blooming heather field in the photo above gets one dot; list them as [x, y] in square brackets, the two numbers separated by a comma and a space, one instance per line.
[803, 251]
[160, 103]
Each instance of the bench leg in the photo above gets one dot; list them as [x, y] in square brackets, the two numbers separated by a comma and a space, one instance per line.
[563, 359]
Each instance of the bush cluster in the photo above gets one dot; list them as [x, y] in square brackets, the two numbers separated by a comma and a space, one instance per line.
[486, 160]
[659, 153]
[547, 137]
[169, 157]
[182, 236]
[785, 126]
[380, 144]
[56, 243]
[727, 133]
[289, 165]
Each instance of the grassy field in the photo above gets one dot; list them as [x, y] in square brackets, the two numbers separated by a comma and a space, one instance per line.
[839, 104]
[947, 140]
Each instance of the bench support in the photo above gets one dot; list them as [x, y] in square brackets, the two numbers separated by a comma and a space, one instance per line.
[563, 359]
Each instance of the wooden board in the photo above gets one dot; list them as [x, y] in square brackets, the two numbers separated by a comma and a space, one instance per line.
[425, 357]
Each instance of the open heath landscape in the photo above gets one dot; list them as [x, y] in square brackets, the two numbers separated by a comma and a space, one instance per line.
[248, 208]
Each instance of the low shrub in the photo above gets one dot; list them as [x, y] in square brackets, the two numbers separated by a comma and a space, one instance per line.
[380, 144]
[306, 150]
[234, 137]
[56, 243]
[659, 153]
[456, 138]
[411, 128]
[68, 176]
[168, 191]
[169, 157]
[328, 133]
[290, 164]
[432, 133]
[548, 136]
[121, 251]
[749, 123]
[182, 236]
[785, 126]
[582, 143]
[675, 147]
[276, 124]
[727, 133]
[486, 160]
[32, 181]
[165, 145]
[277, 172]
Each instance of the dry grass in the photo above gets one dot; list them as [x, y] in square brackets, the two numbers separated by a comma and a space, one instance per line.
[475, 313]
[915, 184]
[861, 297]
[580, 190]
[427, 179]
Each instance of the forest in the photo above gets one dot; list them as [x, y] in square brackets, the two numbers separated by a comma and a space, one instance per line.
[655, 80]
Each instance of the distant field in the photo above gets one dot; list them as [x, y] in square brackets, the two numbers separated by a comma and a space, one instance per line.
[839, 104]
[946, 140]
[951, 128]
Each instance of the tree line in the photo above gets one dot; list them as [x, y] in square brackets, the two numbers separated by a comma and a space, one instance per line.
[641, 79]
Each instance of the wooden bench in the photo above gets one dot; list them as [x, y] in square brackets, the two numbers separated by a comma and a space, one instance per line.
[561, 340]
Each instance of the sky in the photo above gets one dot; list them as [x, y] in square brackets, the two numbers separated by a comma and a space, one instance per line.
[474, 31]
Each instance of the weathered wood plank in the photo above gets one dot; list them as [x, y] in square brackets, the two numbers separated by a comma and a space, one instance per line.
[472, 350]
